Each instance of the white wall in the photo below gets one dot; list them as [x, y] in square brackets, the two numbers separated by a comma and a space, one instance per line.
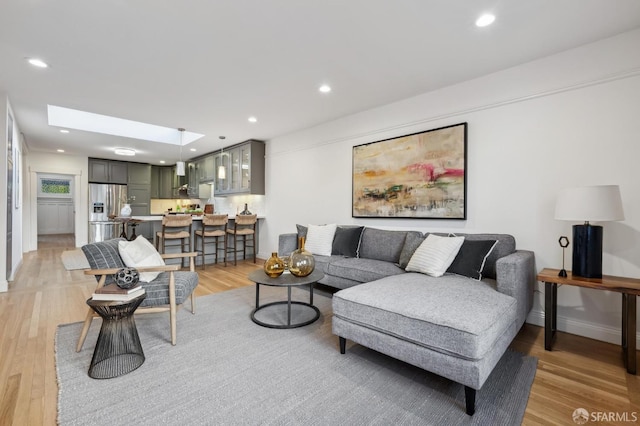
[4, 108]
[78, 167]
[566, 120]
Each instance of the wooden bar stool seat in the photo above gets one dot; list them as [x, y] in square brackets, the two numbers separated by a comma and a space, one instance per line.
[244, 228]
[214, 227]
[175, 227]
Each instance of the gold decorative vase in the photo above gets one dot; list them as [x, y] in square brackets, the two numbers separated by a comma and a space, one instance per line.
[301, 262]
[274, 266]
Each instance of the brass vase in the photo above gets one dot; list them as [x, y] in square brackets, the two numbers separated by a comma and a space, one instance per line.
[274, 266]
[301, 262]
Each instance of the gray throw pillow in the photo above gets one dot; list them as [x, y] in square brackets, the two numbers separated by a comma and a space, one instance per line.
[411, 243]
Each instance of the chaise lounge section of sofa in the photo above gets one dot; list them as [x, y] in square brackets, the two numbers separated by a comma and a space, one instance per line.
[453, 325]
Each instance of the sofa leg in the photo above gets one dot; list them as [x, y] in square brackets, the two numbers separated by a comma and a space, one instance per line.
[343, 345]
[470, 400]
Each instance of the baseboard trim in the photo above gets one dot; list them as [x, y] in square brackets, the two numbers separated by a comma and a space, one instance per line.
[593, 331]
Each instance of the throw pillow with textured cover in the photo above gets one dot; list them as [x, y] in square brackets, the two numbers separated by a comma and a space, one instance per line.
[435, 255]
[140, 253]
[347, 241]
[320, 239]
[104, 255]
[472, 257]
[411, 244]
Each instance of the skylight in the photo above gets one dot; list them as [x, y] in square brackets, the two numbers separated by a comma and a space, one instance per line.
[90, 122]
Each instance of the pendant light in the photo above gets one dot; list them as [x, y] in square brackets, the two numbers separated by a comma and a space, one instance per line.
[180, 164]
[222, 170]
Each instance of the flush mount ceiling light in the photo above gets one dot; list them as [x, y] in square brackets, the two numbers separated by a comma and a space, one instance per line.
[252, 119]
[485, 20]
[82, 120]
[37, 62]
[324, 88]
[125, 151]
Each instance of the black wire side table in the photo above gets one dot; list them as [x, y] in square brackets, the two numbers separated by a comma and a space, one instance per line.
[118, 350]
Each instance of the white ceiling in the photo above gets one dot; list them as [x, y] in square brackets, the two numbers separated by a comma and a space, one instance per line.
[207, 65]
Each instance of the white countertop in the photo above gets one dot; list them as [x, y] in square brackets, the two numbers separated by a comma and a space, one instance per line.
[159, 217]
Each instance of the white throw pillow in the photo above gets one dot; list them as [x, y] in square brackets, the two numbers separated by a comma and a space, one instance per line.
[320, 239]
[434, 255]
[140, 253]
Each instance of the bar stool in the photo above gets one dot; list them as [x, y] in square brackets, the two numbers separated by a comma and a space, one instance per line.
[244, 226]
[213, 226]
[175, 227]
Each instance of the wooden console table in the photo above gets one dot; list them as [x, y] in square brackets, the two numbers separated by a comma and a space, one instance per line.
[629, 287]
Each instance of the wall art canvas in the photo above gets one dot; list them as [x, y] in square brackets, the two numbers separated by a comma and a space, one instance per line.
[422, 175]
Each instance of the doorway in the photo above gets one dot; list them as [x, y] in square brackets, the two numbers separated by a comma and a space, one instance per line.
[55, 204]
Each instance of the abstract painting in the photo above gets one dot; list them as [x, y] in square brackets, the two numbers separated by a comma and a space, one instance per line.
[422, 175]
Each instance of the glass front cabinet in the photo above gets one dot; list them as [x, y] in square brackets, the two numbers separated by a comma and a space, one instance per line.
[243, 169]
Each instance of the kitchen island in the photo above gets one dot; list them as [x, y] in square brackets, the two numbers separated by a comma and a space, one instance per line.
[197, 219]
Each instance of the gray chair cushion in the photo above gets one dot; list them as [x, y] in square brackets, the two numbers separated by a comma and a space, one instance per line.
[381, 244]
[158, 289]
[104, 255]
[450, 314]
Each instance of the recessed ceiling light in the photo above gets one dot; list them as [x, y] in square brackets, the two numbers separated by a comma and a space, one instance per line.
[252, 119]
[125, 151]
[162, 161]
[193, 149]
[38, 63]
[484, 20]
[324, 88]
[60, 150]
[64, 131]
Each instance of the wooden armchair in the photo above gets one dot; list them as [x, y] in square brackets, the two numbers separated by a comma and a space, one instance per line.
[164, 293]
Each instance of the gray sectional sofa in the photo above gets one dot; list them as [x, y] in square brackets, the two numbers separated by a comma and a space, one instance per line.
[454, 325]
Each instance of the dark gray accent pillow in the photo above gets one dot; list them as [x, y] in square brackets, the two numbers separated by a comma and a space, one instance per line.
[471, 258]
[346, 241]
[411, 244]
[302, 231]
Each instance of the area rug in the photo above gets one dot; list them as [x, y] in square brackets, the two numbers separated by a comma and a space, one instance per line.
[74, 259]
[227, 370]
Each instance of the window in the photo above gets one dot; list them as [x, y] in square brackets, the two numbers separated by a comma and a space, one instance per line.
[57, 187]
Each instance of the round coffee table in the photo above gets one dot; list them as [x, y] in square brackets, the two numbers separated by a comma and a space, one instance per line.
[285, 280]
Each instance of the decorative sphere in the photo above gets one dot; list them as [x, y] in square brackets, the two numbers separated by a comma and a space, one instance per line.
[127, 277]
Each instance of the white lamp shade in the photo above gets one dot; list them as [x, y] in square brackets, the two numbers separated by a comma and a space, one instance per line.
[600, 203]
[180, 168]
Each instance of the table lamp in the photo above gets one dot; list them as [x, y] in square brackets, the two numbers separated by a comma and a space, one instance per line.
[600, 203]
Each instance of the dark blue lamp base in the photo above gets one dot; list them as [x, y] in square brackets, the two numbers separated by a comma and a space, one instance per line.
[587, 251]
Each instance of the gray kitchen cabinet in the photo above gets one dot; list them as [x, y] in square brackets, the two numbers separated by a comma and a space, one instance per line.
[107, 171]
[139, 195]
[244, 165]
[206, 168]
[193, 179]
[139, 173]
[163, 182]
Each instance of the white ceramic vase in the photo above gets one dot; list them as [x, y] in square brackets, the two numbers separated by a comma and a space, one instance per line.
[126, 211]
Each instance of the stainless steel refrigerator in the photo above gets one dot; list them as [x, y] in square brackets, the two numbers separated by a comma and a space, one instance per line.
[105, 200]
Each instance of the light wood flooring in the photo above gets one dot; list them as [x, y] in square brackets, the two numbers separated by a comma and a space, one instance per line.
[578, 373]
